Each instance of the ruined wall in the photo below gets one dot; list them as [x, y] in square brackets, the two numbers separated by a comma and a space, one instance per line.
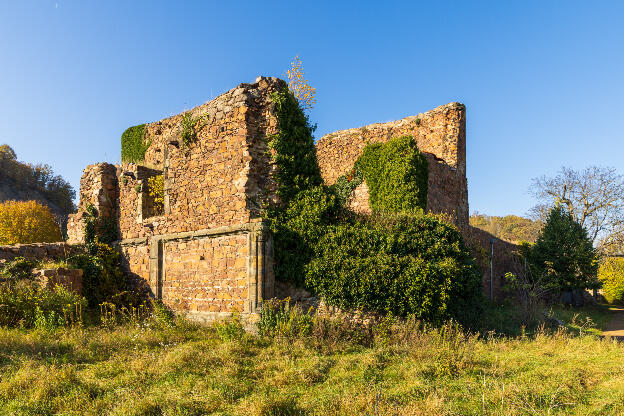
[504, 260]
[38, 251]
[440, 135]
[207, 253]
[99, 188]
[222, 179]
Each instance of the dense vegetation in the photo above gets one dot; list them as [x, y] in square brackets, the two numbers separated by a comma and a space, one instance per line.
[611, 276]
[396, 174]
[25, 181]
[27, 222]
[133, 144]
[509, 228]
[399, 261]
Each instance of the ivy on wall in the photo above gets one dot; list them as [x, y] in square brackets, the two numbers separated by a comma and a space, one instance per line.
[396, 173]
[134, 145]
[292, 148]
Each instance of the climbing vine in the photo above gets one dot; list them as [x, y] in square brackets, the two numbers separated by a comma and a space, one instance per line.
[396, 173]
[98, 229]
[134, 145]
[292, 148]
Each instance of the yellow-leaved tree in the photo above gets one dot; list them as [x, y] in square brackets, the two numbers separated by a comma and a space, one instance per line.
[298, 85]
[27, 222]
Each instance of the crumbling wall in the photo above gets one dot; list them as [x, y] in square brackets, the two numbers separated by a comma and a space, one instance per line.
[38, 251]
[440, 134]
[98, 188]
[207, 253]
[221, 179]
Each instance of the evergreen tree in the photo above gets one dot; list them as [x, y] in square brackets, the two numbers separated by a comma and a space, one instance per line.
[563, 254]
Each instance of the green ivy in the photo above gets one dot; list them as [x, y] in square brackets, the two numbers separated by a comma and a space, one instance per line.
[98, 229]
[346, 184]
[134, 145]
[292, 148]
[397, 175]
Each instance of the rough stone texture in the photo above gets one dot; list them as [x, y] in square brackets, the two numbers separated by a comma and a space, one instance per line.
[208, 254]
[440, 135]
[99, 188]
[71, 279]
[206, 275]
[38, 251]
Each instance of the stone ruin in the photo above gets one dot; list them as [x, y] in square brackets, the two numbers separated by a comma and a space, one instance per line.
[207, 253]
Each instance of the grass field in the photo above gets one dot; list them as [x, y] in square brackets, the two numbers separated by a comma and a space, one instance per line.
[157, 369]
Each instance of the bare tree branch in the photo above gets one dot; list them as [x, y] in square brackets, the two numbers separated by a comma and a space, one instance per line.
[594, 197]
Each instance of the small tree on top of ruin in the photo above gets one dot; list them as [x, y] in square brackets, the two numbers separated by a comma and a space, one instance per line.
[299, 86]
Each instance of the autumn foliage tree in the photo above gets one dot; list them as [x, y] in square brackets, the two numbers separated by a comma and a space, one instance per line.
[299, 86]
[27, 222]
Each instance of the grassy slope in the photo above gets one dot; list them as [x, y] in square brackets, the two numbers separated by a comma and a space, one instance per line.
[187, 370]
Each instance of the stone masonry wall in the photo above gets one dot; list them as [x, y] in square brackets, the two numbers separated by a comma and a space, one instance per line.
[206, 275]
[38, 251]
[99, 188]
[208, 253]
[222, 179]
[504, 260]
[440, 135]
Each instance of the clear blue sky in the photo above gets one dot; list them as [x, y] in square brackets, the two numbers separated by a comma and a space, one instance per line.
[543, 81]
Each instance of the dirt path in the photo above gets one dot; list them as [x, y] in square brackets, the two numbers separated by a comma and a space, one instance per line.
[615, 327]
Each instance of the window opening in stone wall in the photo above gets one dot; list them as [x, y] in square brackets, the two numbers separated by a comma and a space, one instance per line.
[156, 195]
[152, 192]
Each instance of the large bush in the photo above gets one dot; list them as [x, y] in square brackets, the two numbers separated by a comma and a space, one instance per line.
[400, 261]
[27, 222]
[408, 264]
[103, 279]
[611, 275]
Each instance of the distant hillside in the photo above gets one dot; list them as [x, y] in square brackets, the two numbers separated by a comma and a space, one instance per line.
[509, 228]
[24, 182]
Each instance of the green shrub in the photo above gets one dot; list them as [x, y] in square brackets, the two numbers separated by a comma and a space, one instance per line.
[102, 279]
[18, 268]
[396, 173]
[188, 134]
[134, 145]
[401, 262]
[297, 230]
[25, 304]
[407, 264]
[279, 319]
[611, 275]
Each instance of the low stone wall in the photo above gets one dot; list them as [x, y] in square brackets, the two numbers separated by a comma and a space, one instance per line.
[504, 260]
[39, 251]
[71, 279]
